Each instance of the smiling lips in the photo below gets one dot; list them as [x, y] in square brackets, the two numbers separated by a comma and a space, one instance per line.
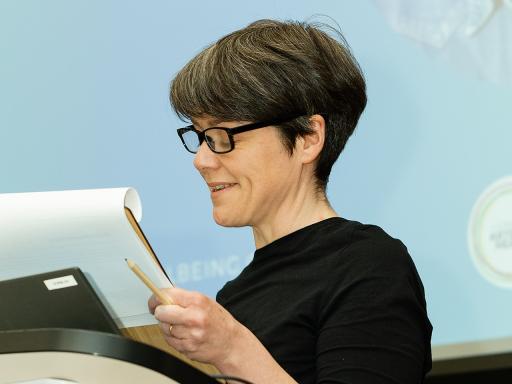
[219, 187]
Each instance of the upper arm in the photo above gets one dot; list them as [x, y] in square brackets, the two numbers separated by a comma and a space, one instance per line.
[373, 325]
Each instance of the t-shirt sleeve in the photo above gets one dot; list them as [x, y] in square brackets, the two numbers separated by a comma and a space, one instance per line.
[373, 325]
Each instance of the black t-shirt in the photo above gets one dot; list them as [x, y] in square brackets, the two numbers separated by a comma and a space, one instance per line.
[336, 302]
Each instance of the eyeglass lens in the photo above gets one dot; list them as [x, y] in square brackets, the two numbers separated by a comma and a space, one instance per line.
[217, 140]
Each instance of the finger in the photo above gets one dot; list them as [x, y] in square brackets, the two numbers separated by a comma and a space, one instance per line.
[178, 344]
[154, 302]
[185, 346]
[171, 314]
[186, 298]
[177, 331]
[166, 328]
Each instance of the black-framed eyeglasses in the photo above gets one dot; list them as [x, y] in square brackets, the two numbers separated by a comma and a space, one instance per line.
[220, 139]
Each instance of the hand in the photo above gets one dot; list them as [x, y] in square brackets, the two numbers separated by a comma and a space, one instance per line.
[201, 328]
[204, 331]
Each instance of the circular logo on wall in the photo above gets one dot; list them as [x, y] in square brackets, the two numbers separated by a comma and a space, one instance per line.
[490, 233]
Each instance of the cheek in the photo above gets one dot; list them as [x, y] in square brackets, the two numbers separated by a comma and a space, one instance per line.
[265, 168]
[274, 179]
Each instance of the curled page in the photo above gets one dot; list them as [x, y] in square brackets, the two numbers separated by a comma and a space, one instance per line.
[89, 229]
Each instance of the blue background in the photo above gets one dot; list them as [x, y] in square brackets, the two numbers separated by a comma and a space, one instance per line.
[84, 104]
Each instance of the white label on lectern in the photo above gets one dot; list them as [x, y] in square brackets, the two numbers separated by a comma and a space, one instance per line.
[60, 282]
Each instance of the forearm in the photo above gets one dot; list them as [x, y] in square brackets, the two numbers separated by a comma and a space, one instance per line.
[249, 360]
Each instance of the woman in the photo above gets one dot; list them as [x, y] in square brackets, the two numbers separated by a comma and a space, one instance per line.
[325, 299]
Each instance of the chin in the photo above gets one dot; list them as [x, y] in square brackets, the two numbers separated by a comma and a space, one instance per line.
[227, 219]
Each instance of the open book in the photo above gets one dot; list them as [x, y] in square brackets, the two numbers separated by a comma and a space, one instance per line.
[94, 230]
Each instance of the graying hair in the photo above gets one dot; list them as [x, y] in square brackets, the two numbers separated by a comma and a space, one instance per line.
[271, 69]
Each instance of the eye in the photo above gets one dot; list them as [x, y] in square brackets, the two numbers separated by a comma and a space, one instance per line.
[210, 141]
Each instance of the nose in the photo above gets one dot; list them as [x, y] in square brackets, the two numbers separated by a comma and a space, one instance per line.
[205, 158]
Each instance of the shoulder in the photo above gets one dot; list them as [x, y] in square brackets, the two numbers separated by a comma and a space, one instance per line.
[371, 244]
[370, 265]
[353, 245]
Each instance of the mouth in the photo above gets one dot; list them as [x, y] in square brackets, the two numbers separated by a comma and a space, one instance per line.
[219, 187]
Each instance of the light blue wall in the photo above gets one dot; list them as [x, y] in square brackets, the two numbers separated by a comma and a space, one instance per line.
[83, 104]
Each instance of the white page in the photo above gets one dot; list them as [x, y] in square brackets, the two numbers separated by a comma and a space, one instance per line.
[48, 231]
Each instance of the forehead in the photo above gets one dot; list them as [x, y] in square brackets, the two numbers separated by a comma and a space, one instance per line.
[209, 121]
[205, 120]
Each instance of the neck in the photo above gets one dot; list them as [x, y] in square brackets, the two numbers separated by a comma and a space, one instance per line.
[302, 211]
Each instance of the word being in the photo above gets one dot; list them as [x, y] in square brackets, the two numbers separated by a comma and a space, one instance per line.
[198, 270]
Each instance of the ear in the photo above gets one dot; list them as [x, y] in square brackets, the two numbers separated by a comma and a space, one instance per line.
[313, 143]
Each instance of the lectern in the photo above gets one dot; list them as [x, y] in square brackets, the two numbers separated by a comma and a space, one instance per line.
[73, 317]
[88, 357]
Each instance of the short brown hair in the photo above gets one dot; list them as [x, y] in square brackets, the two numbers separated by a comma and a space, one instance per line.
[271, 69]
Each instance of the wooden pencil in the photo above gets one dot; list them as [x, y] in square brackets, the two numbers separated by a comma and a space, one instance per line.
[141, 275]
